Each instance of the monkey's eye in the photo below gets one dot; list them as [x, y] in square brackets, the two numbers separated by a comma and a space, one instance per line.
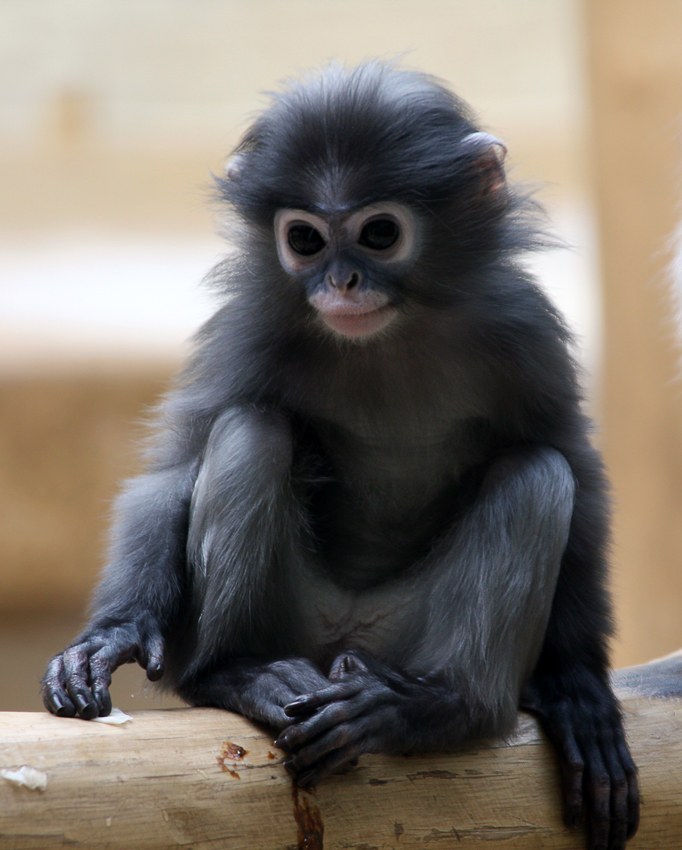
[379, 234]
[305, 240]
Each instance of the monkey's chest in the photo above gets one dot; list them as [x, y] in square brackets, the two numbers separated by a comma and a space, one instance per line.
[385, 501]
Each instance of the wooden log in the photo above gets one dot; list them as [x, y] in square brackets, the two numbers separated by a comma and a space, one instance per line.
[204, 778]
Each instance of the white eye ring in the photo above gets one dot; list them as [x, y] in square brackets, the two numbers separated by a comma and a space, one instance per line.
[408, 227]
[284, 221]
[350, 227]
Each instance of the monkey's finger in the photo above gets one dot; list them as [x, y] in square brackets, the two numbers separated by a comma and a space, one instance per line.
[633, 785]
[270, 713]
[300, 707]
[76, 675]
[572, 767]
[273, 715]
[299, 674]
[343, 745]
[307, 703]
[267, 699]
[152, 657]
[57, 701]
[619, 794]
[346, 665]
[597, 790]
[620, 790]
[297, 735]
[328, 718]
[316, 751]
[332, 761]
[102, 664]
[55, 696]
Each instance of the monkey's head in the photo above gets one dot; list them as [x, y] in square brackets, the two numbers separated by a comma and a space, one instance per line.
[376, 191]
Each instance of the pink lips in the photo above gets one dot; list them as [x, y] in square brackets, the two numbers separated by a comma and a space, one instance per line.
[353, 318]
[358, 322]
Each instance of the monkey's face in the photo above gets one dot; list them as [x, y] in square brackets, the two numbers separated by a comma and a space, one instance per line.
[349, 262]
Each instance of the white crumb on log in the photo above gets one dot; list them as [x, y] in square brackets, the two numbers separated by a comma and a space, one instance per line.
[28, 777]
[115, 718]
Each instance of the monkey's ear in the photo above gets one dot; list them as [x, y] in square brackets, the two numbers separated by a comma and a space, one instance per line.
[488, 154]
[234, 166]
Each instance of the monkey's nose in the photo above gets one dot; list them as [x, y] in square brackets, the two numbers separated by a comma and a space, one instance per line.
[343, 282]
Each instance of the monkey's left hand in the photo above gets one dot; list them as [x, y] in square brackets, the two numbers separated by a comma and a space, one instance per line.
[368, 708]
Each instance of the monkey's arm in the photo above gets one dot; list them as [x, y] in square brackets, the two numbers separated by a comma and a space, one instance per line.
[570, 693]
[136, 601]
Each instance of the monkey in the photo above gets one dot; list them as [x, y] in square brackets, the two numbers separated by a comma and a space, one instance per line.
[373, 517]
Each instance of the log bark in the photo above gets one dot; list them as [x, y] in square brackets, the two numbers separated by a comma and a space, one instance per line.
[203, 778]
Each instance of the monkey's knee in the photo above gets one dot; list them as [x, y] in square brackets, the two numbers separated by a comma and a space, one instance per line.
[549, 505]
[538, 488]
[555, 486]
[551, 498]
[247, 459]
[250, 439]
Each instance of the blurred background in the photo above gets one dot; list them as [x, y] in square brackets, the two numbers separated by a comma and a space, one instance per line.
[114, 114]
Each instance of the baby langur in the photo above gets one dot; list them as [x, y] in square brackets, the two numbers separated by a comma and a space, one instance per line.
[373, 518]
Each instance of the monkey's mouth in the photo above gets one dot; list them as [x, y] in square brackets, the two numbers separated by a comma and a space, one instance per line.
[354, 315]
[356, 320]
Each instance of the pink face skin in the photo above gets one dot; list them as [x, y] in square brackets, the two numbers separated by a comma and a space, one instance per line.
[343, 305]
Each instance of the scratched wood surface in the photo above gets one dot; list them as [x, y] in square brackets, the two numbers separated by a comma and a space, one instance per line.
[203, 778]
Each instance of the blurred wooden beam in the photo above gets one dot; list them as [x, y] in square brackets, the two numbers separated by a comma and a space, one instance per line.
[206, 778]
[66, 442]
[635, 61]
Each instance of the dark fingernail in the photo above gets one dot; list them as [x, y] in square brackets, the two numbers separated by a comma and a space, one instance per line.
[298, 707]
[86, 708]
[103, 703]
[81, 702]
[154, 672]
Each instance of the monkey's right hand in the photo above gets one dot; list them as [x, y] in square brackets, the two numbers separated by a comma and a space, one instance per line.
[260, 690]
[77, 680]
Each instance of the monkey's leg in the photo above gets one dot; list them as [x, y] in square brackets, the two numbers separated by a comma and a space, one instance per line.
[479, 617]
[244, 546]
[137, 601]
